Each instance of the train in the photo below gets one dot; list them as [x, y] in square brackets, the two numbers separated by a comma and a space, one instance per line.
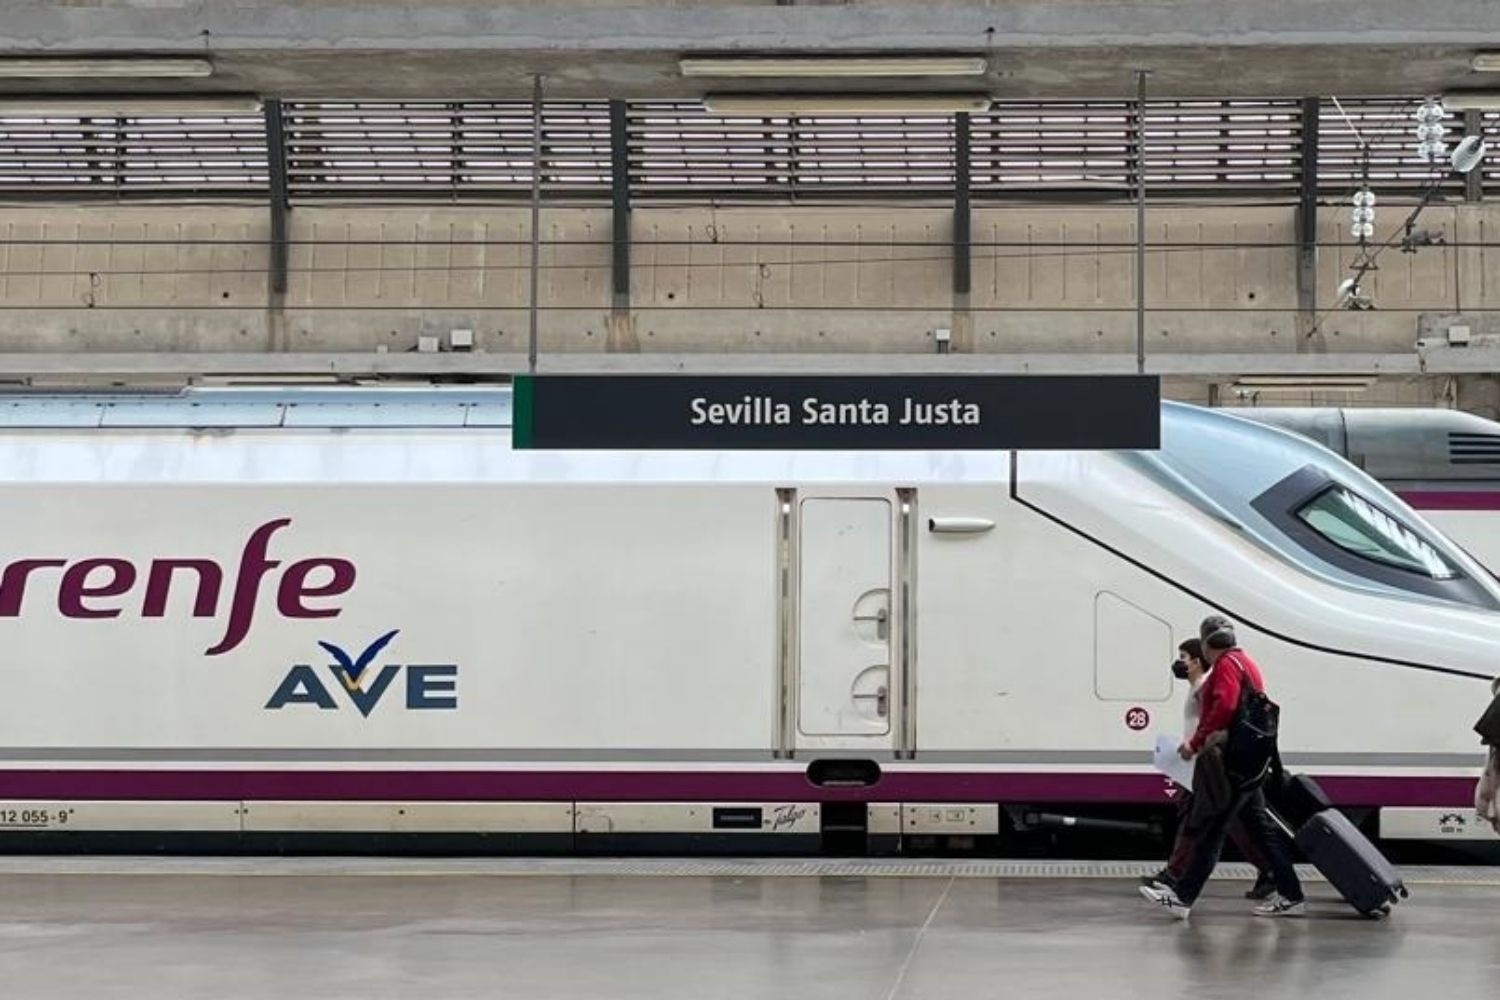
[1444, 463]
[266, 619]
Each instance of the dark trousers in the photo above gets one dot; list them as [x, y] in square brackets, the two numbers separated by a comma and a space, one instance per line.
[1187, 839]
[1249, 809]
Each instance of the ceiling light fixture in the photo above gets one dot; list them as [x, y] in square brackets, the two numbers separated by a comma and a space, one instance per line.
[845, 104]
[164, 67]
[1472, 100]
[1485, 62]
[143, 105]
[831, 66]
[1304, 383]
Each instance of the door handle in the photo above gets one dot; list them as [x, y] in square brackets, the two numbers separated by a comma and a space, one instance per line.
[882, 620]
[882, 698]
[959, 525]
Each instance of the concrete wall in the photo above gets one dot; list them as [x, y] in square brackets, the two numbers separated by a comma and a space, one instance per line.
[796, 279]
[590, 49]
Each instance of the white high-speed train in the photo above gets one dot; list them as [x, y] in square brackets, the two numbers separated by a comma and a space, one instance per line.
[241, 617]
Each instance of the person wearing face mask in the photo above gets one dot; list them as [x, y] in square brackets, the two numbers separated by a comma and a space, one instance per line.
[1487, 794]
[1237, 717]
[1190, 666]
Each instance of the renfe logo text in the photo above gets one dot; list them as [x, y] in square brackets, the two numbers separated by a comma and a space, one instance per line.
[108, 587]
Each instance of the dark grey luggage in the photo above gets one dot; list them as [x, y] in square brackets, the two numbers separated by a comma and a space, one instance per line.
[1351, 864]
[1297, 799]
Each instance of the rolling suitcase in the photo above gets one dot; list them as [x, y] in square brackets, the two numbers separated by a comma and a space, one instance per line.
[1351, 864]
[1297, 799]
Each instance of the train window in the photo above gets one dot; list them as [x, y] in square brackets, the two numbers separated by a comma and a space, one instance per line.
[1344, 528]
[1354, 524]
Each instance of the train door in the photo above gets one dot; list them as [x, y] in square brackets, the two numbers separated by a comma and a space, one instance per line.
[845, 689]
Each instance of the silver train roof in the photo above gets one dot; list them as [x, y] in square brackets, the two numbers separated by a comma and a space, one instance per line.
[1396, 444]
[297, 407]
[1390, 444]
[1211, 458]
[271, 407]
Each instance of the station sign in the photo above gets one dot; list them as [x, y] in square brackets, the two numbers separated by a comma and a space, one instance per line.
[827, 412]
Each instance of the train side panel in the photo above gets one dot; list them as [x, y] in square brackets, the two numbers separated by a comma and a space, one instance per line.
[548, 616]
[1037, 645]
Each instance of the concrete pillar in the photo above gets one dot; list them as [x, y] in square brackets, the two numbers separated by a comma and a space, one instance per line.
[962, 324]
[621, 335]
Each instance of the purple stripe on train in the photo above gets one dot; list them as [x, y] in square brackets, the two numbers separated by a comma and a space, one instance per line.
[705, 786]
[1452, 499]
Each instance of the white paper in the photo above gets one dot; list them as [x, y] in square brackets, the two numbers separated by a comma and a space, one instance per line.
[1169, 763]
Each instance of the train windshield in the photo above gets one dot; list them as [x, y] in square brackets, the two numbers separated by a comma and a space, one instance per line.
[1363, 533]
[1355, 525]
[1312, 508]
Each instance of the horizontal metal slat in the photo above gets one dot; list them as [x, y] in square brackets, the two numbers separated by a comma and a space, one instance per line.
[391, 148]
[1387, 127]
[416, 147]
[679, 145]
[1058, 144]
[107, 155]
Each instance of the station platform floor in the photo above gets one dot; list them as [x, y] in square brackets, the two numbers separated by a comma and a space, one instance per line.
[293, 928]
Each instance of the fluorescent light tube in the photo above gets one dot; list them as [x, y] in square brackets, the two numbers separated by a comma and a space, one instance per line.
[1486, 62]
[831, 66]
[177, 68]
[1473, 100]
[845, 104]
[144, 105]
[1305, 383]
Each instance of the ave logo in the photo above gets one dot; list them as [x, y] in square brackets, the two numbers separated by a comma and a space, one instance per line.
[363, 685]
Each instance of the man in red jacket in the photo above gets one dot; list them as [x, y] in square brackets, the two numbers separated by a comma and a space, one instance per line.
[1232, 668]
[1192, 666]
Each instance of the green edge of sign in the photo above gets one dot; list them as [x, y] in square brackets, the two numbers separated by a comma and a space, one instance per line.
[524, 390]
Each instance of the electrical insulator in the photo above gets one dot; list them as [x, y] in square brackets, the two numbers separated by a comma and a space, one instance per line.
[1430, 132]
[1362, 217]
[1431, 111]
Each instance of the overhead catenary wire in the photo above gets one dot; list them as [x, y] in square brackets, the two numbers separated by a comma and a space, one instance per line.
[1369, 259]
[1082, 248]
[760, 307]
[452, 268]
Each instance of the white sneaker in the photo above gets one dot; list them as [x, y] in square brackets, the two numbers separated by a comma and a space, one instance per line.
[1167, 899]
[1279, 906]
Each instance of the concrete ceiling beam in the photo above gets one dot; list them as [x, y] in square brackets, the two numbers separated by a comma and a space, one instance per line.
[456, 49]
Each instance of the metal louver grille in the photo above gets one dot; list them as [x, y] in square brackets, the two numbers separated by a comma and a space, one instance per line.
[443, 149]
[1190, 145]
[119, 156]
[1491, 165]
[680, 147]
[677, 147]
[1053, 145]
[1390, 130]
[478, 149]
[1224, 144]
[1473, 449]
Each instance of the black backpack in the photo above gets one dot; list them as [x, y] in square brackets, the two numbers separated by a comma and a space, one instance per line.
[1488, 726]
[1250, 746]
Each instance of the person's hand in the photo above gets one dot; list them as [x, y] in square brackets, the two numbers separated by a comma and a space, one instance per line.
[1185, 752]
